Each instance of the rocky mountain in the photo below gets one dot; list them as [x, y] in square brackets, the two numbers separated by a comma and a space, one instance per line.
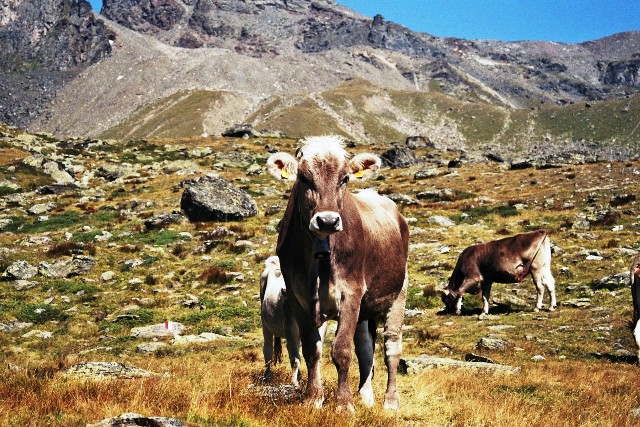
[221, 62]
[43, 42]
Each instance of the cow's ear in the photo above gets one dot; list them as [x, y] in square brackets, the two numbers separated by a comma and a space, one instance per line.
[365, 165]
[283, 166]
[445, 292]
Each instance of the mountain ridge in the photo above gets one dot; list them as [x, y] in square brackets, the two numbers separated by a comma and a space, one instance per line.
[259, 52]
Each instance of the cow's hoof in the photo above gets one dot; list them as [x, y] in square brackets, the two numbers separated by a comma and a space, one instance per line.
[346, 407]
[483, 316]
[391, 404]
[366, 394]
[537, 309]
[552, 308]
[458, 312]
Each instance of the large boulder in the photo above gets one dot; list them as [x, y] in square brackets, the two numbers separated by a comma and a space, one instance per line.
[399, 158]
[213, 199]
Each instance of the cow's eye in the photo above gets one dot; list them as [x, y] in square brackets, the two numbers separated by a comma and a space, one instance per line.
[344, 180]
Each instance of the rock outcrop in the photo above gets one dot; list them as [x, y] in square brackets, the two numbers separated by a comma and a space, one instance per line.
[44, 43]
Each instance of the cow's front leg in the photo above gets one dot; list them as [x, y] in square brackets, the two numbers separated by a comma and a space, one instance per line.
[393, 346]
[342, 347]
[293, 348]
[312, 351]
[468, 283]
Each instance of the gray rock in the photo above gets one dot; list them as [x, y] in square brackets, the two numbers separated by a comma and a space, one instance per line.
[76, 266]
[511, 301]
[158, 331]
[41, 208]
[615, 281]
[491, 344]
[426, 173]
[213, 199]
[162, 221]
[23, 285]
[137, 420]
[442, 221]
[418, 141]
[413, 365]
[58, 175]
[399, 158]
[13, 326]
[442, 195]
[106, 370]
[578, 302]
[150, 347]
[203, 338]
[20, 270]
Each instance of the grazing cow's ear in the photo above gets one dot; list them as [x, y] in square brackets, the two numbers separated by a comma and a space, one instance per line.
[365, 165]
[445, 292]
[283, 166]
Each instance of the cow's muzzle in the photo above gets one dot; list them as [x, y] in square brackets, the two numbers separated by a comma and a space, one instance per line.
[325, 223]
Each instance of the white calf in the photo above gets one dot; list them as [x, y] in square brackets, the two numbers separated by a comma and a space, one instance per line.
[634, 274]
[276, 322]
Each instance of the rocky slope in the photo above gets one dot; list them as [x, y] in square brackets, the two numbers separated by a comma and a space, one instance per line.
[43, 43]
[248, 55]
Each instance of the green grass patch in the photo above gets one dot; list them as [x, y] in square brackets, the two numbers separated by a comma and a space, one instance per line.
[40, 313]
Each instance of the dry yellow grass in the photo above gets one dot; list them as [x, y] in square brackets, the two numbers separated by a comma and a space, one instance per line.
[582, 382]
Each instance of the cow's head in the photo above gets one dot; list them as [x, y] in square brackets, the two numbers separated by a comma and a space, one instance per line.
[321, 169]
[449, 298]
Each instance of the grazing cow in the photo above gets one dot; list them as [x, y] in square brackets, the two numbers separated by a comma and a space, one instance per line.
[275, 324]
[343, 257]
[507, 260]
[635, 293]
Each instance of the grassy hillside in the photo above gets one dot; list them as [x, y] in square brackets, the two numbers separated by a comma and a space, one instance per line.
[368, 113]
[210, 284]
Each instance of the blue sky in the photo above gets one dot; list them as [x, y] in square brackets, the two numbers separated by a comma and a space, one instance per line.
[569, 21]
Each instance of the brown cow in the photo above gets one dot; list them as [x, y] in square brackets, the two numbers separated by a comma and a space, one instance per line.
[507, 260]
[343, 257]
[634, 274]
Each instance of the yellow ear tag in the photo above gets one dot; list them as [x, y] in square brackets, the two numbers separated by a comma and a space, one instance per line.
[359, 174]
[284, 174]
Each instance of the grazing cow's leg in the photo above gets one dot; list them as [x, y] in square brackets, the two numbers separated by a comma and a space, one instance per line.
[393, 346]
[466, 284]
[486, 296]
[293, 348]
[342, 347]
[543, 278]
[365, 344]
[267, 352]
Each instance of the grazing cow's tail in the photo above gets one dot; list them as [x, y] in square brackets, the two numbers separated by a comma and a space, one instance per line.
[277, 351]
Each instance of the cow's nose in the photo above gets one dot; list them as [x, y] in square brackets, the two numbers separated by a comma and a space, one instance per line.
[326, 222]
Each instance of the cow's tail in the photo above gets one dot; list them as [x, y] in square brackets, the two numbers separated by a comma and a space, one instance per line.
[276, 356]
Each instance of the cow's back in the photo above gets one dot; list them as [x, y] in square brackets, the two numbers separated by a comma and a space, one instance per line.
[385, 243]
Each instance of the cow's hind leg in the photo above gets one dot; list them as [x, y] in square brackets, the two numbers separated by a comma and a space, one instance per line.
[267, 352]
[543, 278]
[364, 344]
[393, 346]
[486, 296]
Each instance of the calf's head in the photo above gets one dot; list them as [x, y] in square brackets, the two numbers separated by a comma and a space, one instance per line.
[321, 170]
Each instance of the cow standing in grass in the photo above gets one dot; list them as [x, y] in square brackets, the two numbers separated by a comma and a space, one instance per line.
[507, 260]
[634, 274]
[277, 322]
[344, 257]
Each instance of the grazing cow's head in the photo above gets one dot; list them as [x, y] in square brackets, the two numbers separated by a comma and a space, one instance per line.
[449, 298]
[322, 168]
